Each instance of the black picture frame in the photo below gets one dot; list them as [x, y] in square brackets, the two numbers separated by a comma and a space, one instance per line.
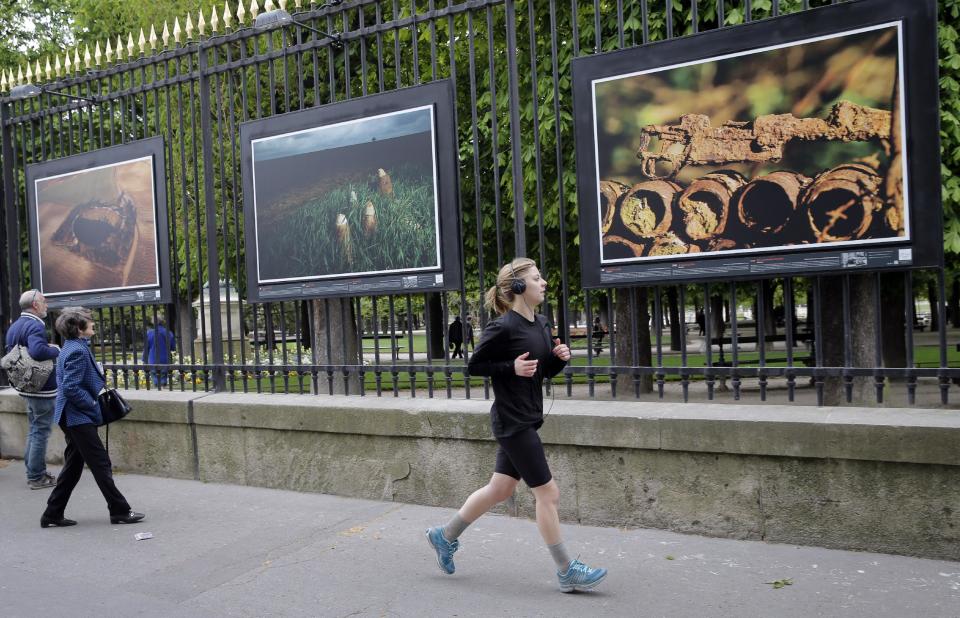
[92, 242]
[343, 164]
[922, 244]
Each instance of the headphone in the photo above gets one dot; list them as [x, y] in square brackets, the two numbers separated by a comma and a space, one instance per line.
[517, 285]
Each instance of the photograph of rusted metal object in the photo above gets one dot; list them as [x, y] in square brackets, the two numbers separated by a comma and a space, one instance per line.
[765, 205]
[841, 203]
[647, 208]
[670, 244]
[693, 141]
[705, 204]
[610, 193]
[97, 229]
[619, 247]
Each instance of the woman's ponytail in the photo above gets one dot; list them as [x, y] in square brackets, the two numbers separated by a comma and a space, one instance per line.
[496, 301]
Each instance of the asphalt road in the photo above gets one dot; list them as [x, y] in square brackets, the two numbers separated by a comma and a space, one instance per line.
[222, 550]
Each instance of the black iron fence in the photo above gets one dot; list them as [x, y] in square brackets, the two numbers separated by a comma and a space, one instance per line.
[816, 339]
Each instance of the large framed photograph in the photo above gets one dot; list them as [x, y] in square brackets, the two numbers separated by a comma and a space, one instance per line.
[357, 197]
[803, 143]
[98, 226]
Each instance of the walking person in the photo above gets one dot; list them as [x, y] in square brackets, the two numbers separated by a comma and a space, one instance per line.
[516, 351]
[79, 381]
[30, 331]
[455, 337]
[468, 334]
[157, 348]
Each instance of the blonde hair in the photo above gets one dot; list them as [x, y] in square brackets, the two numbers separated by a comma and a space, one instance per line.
[499, 297]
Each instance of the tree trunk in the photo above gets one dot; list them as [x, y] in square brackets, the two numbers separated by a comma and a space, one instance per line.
[863, 319]
[893, 321]
[335, 338]
[622, 335]
[934, 300]
[438, 331]
[673, 307]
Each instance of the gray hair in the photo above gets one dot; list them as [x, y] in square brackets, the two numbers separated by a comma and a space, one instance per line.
[27, 298]
[72, 321]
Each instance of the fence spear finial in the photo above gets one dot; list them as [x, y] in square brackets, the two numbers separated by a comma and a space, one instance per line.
[36, 69]
[67, 63]
[108, 52]
[48, 69]
[3, 80]
[97, 55]
[254, 9]
[57, 67]
[119, 49]
[188, 27]
[165, 35]
[19, 74]
[214, 20]
[268, 6]
[283, 5]
[201, 24]
[241, 12]
[153, 38]
[87, 58]
[142, 42]
[76, 59]
[296, 3]
[177, 32]
[29, 72]
[227, 16]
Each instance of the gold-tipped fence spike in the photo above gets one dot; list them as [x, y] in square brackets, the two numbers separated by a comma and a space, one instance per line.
[108, 52]
[87, 58]
[37, 70]
[3, 81]
[176, 30]
[201, 24]
[214, 20]
[296, 3]
[19, 74]
[48, 69]
[227, 16]
[76, 59]
[241, 13]
[119, 48]
[97, 55]
[188, 27]
[57, 67]
[67, 64]
[29, 72]
[268, 6]
[165, 35]
[152, 40]
[283, 5]
[254, 8]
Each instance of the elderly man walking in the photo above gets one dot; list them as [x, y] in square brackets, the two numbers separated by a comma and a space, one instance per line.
[29, 331]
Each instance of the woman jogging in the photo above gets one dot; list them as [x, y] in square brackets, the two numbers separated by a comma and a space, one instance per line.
[516, 351]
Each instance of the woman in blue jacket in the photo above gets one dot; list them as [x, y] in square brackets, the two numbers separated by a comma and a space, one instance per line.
[79, 381]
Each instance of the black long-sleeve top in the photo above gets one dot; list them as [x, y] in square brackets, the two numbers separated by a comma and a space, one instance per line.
[518, 401]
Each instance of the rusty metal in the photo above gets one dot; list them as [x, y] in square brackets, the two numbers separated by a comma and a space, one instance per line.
[762, 140]
[610, 193]
[615, 247]
[766, 205]
[647, 208]
[670, 244]
[705, 204]
[841, 203]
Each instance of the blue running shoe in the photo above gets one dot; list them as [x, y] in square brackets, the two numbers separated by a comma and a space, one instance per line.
[580, 577]
[444, 549]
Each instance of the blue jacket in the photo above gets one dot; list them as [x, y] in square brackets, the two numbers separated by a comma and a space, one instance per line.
[158, 346]
[79, 381]
[29, 330]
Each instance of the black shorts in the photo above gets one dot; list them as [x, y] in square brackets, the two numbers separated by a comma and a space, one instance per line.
[521, 456]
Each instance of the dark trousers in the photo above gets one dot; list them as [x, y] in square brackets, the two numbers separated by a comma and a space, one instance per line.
[457, 351]
[85, 447]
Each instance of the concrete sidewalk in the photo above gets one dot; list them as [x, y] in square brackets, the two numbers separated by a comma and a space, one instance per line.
[222, 550]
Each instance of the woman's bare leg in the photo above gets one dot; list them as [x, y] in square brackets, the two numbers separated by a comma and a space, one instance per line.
[548, 519]
[499, 488]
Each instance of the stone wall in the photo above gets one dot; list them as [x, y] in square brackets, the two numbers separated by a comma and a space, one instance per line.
[881, 480]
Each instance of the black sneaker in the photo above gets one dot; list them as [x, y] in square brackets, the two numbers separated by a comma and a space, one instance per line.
[44, 482]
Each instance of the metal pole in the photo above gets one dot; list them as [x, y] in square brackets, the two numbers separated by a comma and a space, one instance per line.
[209, 199]
[11, 224]
[520, 236]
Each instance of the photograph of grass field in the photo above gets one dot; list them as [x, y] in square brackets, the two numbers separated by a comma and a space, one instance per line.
[348, 199]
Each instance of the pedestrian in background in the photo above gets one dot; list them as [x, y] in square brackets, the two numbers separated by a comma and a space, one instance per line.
[157, 348]
[455, 337]
[30, 331]
[517, 353]
[468, 334]
[79, 380]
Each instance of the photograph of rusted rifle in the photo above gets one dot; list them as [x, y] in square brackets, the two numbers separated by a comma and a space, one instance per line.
[779, 147]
